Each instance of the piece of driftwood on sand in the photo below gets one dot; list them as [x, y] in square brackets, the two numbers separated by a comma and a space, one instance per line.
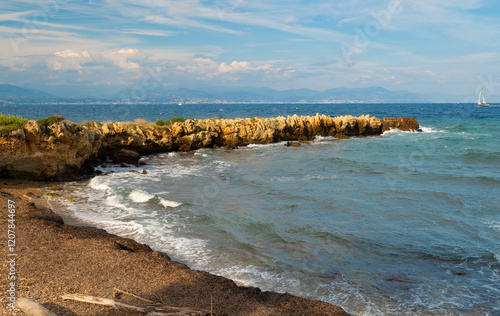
[151, 310]
[32, 308]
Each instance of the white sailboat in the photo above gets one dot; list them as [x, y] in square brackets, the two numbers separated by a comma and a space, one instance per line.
[480, 100]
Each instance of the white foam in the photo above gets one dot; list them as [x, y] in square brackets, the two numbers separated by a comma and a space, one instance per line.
[140, 196]
[263, 145]
[323, 139]
[167, 203]
[97, 183]
[175, 170]
[393, 131]
[114, 202]
[431, 130]
[317, 177]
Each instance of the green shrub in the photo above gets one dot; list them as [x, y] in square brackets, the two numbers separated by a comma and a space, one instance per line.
[8, 120]
[176, 120]
[50, 120]
[172, 121]
[10, 123]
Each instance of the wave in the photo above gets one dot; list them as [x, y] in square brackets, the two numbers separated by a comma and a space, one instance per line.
[323, 139]
[497, 256]
[143, 197]
[198, 153]
[167, 203]
[432, 130]
[263, 145]
[140, 196]
[97, 183]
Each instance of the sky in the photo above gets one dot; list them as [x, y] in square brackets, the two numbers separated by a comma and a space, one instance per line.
[99, 47]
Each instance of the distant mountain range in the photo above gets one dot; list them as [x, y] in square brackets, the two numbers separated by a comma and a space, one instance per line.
[263, 95]
[8, 91]
[14, 94]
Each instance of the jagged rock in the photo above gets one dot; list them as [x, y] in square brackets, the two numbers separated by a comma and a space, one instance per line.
[126, 156]
[401, 123]
[30, 153]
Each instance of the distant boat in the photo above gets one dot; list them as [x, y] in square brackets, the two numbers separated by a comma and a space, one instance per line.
[180, 103]
[480, 100]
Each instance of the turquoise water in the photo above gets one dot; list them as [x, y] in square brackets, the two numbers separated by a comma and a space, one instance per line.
[399, 224]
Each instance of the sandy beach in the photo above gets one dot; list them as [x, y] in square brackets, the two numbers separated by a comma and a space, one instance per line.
[54, 259]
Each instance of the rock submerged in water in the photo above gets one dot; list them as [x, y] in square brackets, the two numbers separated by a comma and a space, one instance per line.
[66, 150]
[292, 144]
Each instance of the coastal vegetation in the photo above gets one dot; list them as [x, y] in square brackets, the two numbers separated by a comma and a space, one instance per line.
[10, 123]
[47, 121]
[171, 121]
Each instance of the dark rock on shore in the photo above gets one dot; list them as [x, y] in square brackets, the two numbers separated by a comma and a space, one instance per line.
[126, 156]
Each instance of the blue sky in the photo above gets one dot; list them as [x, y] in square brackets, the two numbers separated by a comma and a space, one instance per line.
[103, 46]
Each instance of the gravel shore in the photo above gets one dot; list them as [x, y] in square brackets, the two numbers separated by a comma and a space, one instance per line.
[54, 259]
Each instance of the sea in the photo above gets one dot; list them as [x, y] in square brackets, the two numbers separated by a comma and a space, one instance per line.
[398, 224]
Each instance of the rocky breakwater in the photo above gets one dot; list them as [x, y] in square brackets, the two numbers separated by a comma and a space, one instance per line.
[60, 151]
[65, 150]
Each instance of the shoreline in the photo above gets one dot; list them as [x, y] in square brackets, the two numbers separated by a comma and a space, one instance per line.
[49, 227]
[56, 258]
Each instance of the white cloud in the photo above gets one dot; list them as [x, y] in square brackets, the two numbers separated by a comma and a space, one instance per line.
[72, 54]
[83, 60]
[236, 70]
[345, 21]
[121, 59]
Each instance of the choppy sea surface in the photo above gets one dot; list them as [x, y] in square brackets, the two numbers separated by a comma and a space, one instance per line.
[398, 224]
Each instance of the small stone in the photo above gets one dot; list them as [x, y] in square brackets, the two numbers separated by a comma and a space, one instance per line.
[133, 171]
[55, 188]
[31, 195]
[52, 196]
[144, 172]
[69, 200]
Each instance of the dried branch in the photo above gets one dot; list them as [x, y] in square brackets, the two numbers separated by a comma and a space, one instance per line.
[32, 308]
[155, 310]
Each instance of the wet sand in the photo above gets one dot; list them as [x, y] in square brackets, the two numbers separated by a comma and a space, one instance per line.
[54, 258]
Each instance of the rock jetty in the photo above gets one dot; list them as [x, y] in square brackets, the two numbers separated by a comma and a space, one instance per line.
[66, 150]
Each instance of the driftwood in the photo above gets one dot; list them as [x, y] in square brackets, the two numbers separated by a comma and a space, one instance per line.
[151, 310]
[138, 297]
[32, 308]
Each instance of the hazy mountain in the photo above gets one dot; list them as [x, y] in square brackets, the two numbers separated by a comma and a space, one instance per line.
[8, 91]
[11, 93]
[252, 94]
